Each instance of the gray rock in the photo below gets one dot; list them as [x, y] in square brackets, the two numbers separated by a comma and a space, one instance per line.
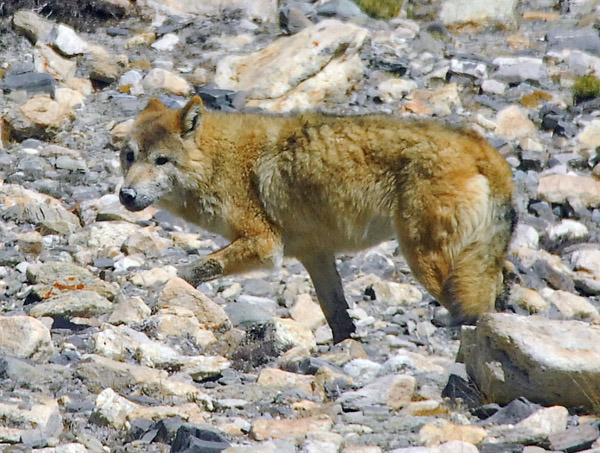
[520, 69]
[509, 356]
[344, 9]
[584, 39]
[32, 82]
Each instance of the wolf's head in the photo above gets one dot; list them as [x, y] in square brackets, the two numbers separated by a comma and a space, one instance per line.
[155, 150]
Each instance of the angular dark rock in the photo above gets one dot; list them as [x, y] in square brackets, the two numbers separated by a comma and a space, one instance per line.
[198, 439]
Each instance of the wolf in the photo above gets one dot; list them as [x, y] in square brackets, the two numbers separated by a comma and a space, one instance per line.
[312, 185]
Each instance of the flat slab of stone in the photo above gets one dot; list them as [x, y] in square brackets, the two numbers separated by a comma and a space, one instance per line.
[547, 361]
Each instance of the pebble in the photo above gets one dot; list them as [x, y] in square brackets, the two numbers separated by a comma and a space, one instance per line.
[166, 80]
[25, 337]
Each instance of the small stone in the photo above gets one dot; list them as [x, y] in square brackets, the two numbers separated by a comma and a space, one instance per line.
[121, 342]
[80, 303]
[583, 39]
[433, 435]
[393, 391]
[589, 137]
[586, 260]
[493, 87]
[32, 25]
[512, 122]
[397, 294]
[535, 428]
[163, 79]
[307, 312]
[345, 352]
[198, 438]
[567, 229]
[290, 428]
[112, 409]
[288, 333]
[202, 367]
[167, 43]
[180, 321]
[35, 412]
[100, 372]
[46, 112]
[47, 60]
[312, 72]
[579, 191]
[25, 337]
[571, 305]
[145, 241]
[66, 40]
[520, 69]
[362, 371]
[529, 300]
[392, 90]
[129, 311]
[575, 438]
[32, 82]
[275, 378]
[179, 293]
[525, 236]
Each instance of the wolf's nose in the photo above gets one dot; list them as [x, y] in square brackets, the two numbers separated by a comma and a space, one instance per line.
[127, 195]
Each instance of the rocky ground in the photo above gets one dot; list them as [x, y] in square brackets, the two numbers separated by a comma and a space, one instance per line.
[104, 349]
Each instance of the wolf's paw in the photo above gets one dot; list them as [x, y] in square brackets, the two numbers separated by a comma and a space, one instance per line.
[200, 271]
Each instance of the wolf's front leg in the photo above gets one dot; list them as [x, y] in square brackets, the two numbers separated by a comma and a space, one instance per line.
[243, 254]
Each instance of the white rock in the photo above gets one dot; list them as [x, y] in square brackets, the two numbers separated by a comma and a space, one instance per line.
[73, 303]
[570, 305]
[525, 236]
[587, 260]
[567, 228]
[25, 337]
[537, 427]
[362, 371]
[163, 79]
[104, 235]
[294, 61]
[461, 12]
[590, 135]
[180, 321]
[493, 86]
[396, 294]
[121, 342]
[579, 191]
[66, 40]
[130, 78]
[129, 311]
[35, 412]
[166, 43]
[513, 122]
[112, 409]
[289, 333]
[393, 89]
[47, 60]
[528, 299]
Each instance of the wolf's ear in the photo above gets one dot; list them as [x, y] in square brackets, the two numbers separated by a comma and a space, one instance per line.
[154, 104]
[191, 115]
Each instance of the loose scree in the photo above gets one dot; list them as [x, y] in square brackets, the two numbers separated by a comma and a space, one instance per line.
[313, 185]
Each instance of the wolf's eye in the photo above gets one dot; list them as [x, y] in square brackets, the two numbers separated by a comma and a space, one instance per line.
[130, 156]
[161, 160]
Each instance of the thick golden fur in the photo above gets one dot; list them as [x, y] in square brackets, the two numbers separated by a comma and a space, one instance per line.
[312, 185]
